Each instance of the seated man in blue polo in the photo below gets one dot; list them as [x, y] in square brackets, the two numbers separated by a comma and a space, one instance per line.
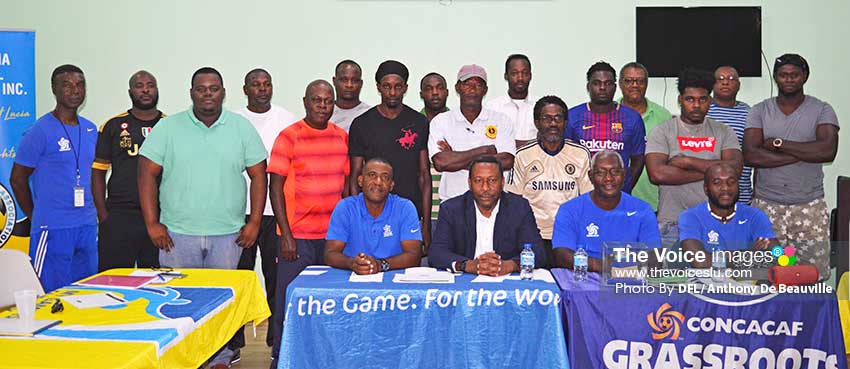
[483, 231]
[722, 223]
[606, 214]
[374, 231]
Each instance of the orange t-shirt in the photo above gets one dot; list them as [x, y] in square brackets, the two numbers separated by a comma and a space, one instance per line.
[315, 164]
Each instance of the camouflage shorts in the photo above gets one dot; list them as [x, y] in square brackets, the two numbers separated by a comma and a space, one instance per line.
[804, 226]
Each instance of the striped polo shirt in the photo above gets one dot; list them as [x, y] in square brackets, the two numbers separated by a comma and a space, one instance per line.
[315, 164]
[736, 118]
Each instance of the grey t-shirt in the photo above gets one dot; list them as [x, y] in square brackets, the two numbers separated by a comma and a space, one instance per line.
[344, 117]
[704, 141]
[800, 182]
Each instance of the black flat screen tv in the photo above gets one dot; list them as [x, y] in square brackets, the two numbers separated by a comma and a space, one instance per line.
[669, 39]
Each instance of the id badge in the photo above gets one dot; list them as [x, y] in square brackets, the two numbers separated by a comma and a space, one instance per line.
[79, 199]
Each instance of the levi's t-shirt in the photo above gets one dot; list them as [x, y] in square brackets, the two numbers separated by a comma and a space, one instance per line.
[706, 140]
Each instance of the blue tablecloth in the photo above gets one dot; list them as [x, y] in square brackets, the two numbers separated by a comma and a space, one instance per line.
[636, 328]
[334, 323]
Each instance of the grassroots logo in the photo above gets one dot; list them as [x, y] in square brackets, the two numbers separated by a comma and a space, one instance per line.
[9, 215]
[786, 256]
[592, 230]
[665, 322]
[491, 132]
[713, 237]
[64, 144]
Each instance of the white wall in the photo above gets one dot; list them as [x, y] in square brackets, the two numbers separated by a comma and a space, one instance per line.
[298, 41]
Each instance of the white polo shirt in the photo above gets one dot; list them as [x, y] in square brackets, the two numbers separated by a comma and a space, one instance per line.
[268, 125]
[489, 128]
[519, 112]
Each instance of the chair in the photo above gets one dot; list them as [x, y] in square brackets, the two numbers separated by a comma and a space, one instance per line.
[16, 273]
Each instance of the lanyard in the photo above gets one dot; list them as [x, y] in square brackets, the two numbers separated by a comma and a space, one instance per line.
[76, 153]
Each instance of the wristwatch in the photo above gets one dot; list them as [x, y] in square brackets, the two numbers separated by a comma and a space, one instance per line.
[462, 267]
[777, 143]
[385, 265]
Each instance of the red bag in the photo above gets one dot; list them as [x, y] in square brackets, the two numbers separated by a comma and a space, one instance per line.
[793, 275]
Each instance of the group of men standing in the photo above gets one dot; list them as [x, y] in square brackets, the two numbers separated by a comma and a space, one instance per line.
[350, 185]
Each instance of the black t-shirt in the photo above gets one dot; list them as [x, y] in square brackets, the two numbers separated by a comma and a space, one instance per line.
[399, 141]
[118, 144]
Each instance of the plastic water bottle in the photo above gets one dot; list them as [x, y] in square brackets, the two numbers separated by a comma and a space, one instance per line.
[580, 264]
[526, 262]
[718, 261]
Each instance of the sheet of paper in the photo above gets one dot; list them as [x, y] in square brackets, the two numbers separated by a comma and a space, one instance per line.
[435, 277]
[489, 279]
[543, 275]
[93, 300]
[312, 272]
[153, 273]
[377, 277]
[17, 327]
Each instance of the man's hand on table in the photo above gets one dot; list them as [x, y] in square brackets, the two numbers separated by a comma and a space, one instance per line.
[363, 264]
[491, 264]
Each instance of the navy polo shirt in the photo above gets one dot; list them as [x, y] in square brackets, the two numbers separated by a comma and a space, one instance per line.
[379, 237]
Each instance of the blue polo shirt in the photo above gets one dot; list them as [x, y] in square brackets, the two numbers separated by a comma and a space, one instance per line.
[55, 151]
[379, 237]
[746, 227]
[580, 222]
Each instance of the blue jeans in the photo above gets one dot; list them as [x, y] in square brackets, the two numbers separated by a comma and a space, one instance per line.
[212, 252]
[670, 240]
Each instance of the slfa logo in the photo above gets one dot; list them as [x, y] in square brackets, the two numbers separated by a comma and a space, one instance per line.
[665, 322]
[491, 132]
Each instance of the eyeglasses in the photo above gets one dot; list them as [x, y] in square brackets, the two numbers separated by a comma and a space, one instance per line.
[727, 78]
[614, 172]
[634, 81]
[552, 118]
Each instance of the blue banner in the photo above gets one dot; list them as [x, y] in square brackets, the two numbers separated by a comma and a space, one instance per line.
[333, 323]
[638, 327]
[17, 114]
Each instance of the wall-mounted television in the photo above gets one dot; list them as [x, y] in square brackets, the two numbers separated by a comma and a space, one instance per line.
[669, 39]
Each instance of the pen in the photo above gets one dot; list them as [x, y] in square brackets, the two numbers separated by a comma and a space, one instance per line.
[116, 298]
[171, 274]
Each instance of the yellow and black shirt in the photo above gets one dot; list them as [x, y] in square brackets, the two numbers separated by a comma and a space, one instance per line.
[118, 145]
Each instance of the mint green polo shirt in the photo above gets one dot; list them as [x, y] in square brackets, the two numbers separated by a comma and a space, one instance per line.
[644, 189]
[203, 192]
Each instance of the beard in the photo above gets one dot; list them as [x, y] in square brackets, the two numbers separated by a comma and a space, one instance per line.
[716, 202]
[140, 105]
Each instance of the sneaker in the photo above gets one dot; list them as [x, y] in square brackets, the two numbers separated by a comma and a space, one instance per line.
[236, 357]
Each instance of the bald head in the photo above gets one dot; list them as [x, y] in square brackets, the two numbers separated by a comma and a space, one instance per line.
[254, 73]
[144, 93]
[719, 170]
[318, 103]
[140, 74]
[721, 186]
[317, 85]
